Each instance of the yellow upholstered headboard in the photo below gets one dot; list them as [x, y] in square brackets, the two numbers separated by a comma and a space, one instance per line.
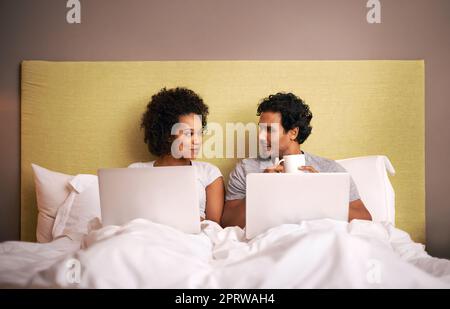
[79, 116]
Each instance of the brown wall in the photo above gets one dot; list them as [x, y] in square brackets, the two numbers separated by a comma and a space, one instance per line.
[231, 29]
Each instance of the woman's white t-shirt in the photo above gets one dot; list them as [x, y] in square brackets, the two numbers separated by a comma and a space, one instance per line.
[206, 174]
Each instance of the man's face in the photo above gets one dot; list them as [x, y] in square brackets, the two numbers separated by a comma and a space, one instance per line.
[270, 128]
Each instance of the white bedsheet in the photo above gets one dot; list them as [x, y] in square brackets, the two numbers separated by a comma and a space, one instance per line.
[20, 260]
[313, 254]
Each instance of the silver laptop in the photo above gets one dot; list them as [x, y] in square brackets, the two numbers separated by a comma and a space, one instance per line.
[166, 195]
[273, 199]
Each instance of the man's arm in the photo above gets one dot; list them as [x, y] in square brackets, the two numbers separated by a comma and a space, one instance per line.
[357, 210]
[234, 213]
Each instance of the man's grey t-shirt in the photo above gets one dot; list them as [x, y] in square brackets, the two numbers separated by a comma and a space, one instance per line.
[237, 180]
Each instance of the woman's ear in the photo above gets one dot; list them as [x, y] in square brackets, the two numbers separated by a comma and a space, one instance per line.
[293, 133]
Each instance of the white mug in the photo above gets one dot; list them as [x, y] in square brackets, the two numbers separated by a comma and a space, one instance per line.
[292, 163]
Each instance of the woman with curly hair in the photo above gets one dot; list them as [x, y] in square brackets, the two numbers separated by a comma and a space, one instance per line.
[173, 126]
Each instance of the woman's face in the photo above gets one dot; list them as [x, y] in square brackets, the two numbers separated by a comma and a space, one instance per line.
[189, 135]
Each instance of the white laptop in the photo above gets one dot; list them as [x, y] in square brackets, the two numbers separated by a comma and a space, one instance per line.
[166, 195]
[273, 199]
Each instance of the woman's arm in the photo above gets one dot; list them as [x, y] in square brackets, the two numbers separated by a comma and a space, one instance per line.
[215, 194]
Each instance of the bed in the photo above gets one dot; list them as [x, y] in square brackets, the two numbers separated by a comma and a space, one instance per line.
[81, 116]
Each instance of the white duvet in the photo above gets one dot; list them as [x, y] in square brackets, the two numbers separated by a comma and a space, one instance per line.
[143, 254]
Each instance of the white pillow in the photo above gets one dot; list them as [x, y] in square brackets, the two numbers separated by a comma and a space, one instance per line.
[67, 205]
[376, 191]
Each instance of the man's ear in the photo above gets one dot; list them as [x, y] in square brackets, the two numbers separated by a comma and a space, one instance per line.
[293, 133]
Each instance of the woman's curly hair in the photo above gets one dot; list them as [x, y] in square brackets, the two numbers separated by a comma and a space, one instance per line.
[164, 111]
[294, 113]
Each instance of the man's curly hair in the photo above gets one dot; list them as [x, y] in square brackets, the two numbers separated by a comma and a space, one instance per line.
[163, 111]
[294, 113]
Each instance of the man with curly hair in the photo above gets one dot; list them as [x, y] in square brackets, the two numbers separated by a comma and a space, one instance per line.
[287, 117]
